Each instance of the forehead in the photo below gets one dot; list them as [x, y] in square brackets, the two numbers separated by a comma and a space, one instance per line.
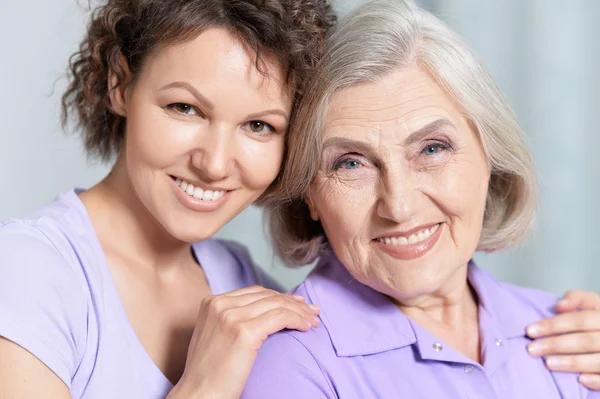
[404, 100]
[217, 61]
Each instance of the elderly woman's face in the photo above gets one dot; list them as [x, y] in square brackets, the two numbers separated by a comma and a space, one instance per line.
[402, 188]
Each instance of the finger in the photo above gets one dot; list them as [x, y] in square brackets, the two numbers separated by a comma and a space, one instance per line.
[578, 300]
[276, 320]
[216, 304]
[586, 320]
[219, 303]
[591, 381]
[265, 305]
[255, 289]
[275, 299]
[589, 363]
[567, 344]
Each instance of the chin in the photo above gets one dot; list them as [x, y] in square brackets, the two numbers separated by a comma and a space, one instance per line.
[190, 230]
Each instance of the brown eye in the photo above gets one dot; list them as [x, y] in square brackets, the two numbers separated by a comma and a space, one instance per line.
[258, 127]
[183, 108]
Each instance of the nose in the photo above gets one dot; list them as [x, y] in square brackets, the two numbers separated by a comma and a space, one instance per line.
[214, 155]
[398, 196]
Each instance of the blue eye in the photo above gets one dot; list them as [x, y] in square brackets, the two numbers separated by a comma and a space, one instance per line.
[259, 127]
[347, 164]
[434, 148]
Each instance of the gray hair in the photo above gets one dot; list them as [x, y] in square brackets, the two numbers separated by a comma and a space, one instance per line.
[376, 39]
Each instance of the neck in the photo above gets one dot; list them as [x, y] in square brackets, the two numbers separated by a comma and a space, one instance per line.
[450, 313]
[126, 228]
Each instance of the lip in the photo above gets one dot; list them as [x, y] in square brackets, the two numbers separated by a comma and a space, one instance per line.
[196, 183]
[198, 205]
[411, 251]
[408, 232]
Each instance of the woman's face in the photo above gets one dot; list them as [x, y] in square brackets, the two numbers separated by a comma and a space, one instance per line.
[402, 187]
[205, 132]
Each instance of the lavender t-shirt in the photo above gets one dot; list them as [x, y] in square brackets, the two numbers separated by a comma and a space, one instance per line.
[366, 348]
[58, 301]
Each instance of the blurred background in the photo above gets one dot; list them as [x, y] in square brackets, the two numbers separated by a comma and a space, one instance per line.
[544, 54]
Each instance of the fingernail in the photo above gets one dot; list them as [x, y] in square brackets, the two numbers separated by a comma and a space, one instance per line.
[562, 302]
[534, 330]
[587, 379]
[314, 307]
[556, 362]
[316, 321]
[535, 349]
[298, 297]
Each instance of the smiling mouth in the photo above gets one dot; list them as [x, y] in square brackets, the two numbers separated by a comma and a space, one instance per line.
[199, 193]
[414, 238]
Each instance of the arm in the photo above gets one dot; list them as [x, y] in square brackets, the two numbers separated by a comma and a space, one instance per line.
[22, 375]
[571, 340]
[284, 368]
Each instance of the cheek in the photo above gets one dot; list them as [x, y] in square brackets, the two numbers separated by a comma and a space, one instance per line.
[344, 208]
[260, 161]
[155, 140]
[461, 191]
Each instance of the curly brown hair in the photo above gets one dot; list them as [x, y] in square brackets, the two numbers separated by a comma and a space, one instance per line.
[122, 33]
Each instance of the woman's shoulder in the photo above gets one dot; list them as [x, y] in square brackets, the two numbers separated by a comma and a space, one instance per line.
[44, 305]
[295, 364]
[529, 303]
[229, 266]
[60, 230]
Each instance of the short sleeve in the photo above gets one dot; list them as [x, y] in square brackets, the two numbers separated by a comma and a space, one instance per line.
[284, 368]
[42, 307]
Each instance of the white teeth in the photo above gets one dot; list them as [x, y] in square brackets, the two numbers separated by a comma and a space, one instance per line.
[412, 239]
[208, 195]
[190, 190]
[198, 193]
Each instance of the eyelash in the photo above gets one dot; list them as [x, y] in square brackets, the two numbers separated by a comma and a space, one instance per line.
[344, 159]
[265, 125]
[437, 145]
[173, 107]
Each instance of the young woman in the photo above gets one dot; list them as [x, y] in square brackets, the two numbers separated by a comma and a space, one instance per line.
[117, 291]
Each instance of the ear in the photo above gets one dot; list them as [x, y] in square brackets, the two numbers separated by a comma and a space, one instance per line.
[314, 215]
[118, 84]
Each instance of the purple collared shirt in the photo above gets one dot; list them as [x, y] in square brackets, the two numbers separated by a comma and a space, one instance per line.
[366, 348]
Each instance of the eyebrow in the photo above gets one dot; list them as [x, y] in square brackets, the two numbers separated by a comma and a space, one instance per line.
[275, 111]
[427, 130]
[205, 102]
[186, 86]
[414, 137]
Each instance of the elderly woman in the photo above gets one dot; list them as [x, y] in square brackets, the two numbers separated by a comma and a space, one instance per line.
[418, 163]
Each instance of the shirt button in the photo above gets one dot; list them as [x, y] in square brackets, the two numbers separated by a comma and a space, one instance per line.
[499, 342]
[438, 347]
[469, 369]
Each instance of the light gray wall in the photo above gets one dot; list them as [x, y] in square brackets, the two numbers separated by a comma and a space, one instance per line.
[543, 54]
[36, 159]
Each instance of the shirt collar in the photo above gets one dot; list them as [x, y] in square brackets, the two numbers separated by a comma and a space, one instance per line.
[505, 305]
[362, 321]
[359, 320]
